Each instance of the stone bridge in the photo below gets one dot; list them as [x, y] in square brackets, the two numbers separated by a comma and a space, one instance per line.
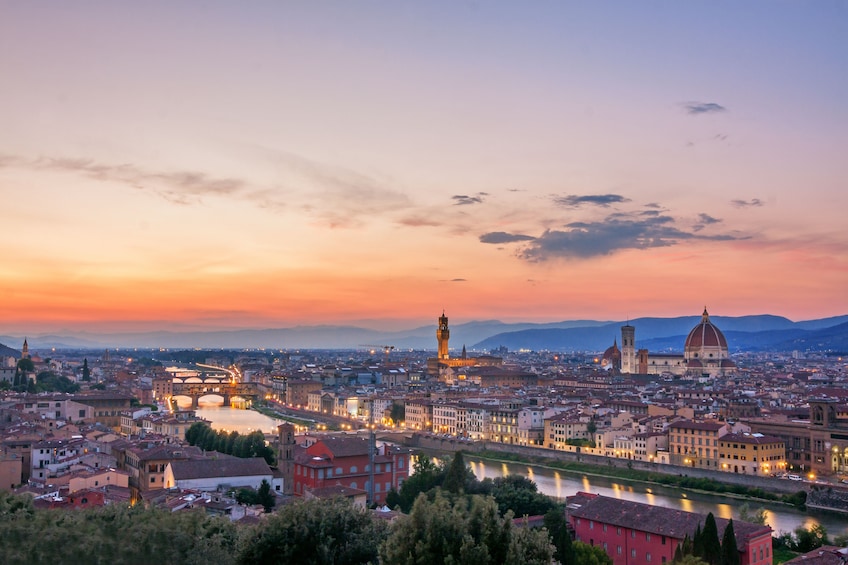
[204, 378]
[226, 390]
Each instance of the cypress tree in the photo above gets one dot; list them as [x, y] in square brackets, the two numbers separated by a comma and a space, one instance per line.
[711, 546]
[729, 550]
[456, 474]
[698, 542]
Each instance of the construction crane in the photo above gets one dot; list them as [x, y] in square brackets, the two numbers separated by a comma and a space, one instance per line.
[386, 349]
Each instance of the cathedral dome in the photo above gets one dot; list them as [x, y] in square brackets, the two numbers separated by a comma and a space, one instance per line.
[705, 334]
[612, 357]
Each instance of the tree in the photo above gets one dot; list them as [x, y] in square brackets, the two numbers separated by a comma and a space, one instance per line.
[469, 530]
[729, 549]
[247, 496]
[425, 476]
[710, 545]
[586, 554]
[315, 532]
[698, 542]
[807, 540]
[520, 495]
[86, 372]
[457, 475]
[26, 365]
[529, 546]
[591, 428]
[265, 497]
[689, 560]
[557, 526]
[757, 516]
[398, 412]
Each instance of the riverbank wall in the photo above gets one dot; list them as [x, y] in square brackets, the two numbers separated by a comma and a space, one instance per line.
[536, 453]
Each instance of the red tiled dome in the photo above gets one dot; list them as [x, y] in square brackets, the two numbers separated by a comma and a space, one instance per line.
[705, 334]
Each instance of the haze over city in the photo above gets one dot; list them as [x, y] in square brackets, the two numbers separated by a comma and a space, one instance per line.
[221, 165]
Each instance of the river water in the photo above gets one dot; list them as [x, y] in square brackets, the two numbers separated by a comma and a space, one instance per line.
[235, 419]
[560, 484]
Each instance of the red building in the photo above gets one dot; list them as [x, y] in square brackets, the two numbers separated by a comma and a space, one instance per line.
[345, 461]
[632, 533]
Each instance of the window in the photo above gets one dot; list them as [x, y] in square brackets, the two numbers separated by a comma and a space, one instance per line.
[353, 469]
[633, 535]
[647, 536]
[648, 556]
[605, 528]
[618, 531]
[633, 553]
[618, 550]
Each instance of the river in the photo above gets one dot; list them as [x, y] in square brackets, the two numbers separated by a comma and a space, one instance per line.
[235, 419]
[560, 484]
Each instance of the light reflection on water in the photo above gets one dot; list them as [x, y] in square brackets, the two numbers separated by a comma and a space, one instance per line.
[560, 484]
[234, 419]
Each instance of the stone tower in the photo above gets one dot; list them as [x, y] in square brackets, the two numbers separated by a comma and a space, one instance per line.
[285, 459]
[628, 349]
[443, 335]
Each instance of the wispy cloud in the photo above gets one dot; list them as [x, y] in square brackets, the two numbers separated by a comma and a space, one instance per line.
[603, 200]
[705, 220]
[465, 200]
[754, 202]
[498, 237]
[419, 221]
[697, 108]
[335, 195]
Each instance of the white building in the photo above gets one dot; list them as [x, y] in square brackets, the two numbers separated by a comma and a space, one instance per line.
[211, 474]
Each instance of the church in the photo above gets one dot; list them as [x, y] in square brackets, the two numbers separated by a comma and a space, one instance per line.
[704, 354]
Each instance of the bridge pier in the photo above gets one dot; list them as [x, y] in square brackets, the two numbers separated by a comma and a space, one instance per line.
[226, 399]
[194, 402]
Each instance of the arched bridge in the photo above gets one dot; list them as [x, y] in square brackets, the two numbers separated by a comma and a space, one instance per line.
[227, 390]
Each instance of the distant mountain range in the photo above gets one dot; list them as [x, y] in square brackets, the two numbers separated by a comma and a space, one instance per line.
[763, 332]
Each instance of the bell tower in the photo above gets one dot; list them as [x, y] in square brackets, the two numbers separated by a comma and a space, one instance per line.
[443, 335]
[285, 458]
[628, 349]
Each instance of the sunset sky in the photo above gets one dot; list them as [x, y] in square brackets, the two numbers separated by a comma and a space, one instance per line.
[170, 165]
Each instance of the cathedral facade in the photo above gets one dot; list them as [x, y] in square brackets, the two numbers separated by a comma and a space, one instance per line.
[705, 354]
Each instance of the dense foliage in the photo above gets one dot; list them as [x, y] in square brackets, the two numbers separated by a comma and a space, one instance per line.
[315, 532]
[512, 493]
[467, 530]
[113, 535]
[233, 443]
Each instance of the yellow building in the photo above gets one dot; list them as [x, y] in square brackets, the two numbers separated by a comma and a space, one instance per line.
[695, 444]
[563, 427]
[751, 454]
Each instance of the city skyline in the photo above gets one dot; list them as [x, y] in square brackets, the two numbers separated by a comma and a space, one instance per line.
[221, 166]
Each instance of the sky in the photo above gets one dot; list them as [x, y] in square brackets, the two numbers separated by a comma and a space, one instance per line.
[224, 165]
